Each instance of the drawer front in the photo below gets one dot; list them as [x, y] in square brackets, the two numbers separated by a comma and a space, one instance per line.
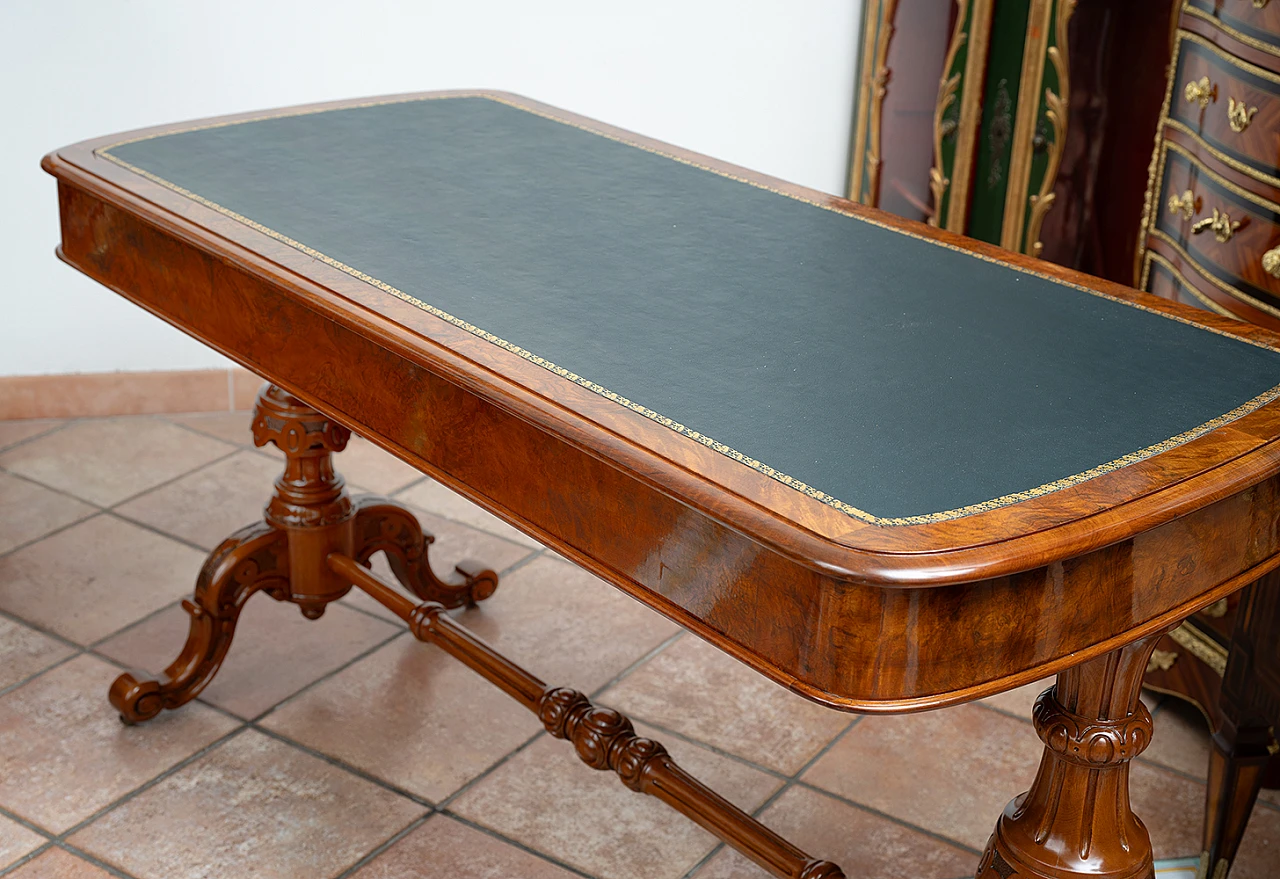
[1160, 277]
[1253, 22]
[1233, 106]
[1241, 250]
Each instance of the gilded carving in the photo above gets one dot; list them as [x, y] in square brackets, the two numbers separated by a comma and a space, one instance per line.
[1056, 112]
[1200, 91]
[1027, 120]
[1186, 205]
[938, 180]
[1238, 115]
[1221, 224]
[1161, 660]
[1201, 646]
[970, 116]
[879, 88]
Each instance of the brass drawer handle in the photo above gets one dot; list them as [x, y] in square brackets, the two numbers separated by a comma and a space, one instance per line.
[1221, 224]
[1239, 115]
[1260, 4]
[1202, 92]
[1271, 262]
[1187, 205]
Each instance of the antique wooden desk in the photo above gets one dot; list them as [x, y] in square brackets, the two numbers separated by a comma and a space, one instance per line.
[887, 467]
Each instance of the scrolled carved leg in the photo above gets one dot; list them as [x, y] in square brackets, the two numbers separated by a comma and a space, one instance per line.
[1076, 820]
[254, 558]
[382, 525]
[309, 518]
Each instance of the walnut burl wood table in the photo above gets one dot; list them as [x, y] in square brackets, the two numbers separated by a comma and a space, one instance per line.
[888, 467]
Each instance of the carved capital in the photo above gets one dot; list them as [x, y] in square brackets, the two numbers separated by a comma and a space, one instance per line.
[294, 427]
[1087, 741]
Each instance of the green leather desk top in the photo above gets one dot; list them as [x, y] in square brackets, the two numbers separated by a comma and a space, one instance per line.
[894, 378]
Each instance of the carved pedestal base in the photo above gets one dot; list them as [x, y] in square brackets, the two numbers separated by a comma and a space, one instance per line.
[1076, 819]
[309, 516]
[315, 544]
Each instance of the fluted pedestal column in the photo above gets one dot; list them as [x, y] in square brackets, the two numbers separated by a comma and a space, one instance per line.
[1076, 820]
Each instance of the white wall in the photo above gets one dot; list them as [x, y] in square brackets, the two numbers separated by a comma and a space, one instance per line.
[764, 83]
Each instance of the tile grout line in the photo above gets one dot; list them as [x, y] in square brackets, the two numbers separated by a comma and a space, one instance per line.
[153, 781]
[324, 678]
[110, 509]
[339, 763]
[145, 526]
[888, 817]
[776, 795]
[5, 691]
[493, 834]
[1141, 758]
[148, 616]
[400, 631]
[28, 858]
[39, 436]
[387, 843]
[531, 556]
[12, 617]
[13, 816]
[448, 801]
[93, 859]
[242, 724]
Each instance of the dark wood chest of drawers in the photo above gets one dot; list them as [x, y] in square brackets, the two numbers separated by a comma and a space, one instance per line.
[1211, 225]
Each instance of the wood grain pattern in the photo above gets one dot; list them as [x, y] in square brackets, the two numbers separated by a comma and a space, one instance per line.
[1080, 582]
[814, 599]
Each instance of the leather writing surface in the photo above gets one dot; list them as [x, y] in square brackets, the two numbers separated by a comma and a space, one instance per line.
[895, 378]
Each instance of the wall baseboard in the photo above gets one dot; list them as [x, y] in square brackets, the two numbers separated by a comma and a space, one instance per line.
[97, 394]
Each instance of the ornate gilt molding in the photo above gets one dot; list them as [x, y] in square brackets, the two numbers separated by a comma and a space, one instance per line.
[1026, 118]
[938, 180]
[858, 153]
[1201, 646]
[879, 88]
[974, 81]
[1226, 28]
[1057, 113]
[1153, 258]
[1155, 170]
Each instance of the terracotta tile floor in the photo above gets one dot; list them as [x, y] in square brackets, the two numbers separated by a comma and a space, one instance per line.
[342, 747]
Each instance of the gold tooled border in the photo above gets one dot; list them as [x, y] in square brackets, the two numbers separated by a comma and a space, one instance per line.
[1228, 29]
[1133, 457]
[1181, 281]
